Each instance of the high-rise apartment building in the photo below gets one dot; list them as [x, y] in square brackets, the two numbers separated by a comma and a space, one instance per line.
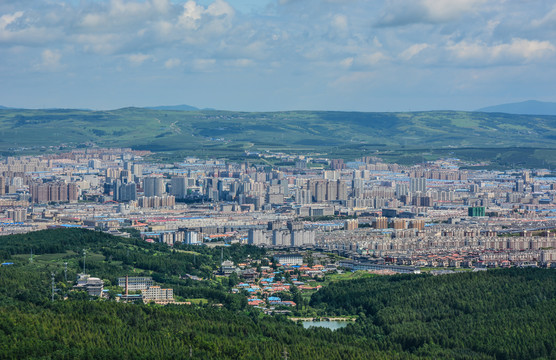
[418, 185]
[2, 185]
[153, 186]
[55, 192]
[17, 215]
[179, 187]
[124, 192]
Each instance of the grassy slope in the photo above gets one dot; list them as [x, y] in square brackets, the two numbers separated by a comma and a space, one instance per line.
[337, 133]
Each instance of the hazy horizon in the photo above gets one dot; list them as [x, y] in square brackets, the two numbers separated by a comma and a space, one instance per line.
[236, 110]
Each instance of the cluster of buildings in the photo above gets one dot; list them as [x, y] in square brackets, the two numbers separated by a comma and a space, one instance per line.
[137, 288]
[143, 288]
[269, 289]
[363, 208]
[294, 235]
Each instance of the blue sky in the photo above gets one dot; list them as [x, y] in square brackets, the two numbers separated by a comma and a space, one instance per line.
[267, 55]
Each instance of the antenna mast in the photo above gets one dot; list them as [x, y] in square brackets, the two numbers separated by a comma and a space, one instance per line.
[53, 286]
[84, 254]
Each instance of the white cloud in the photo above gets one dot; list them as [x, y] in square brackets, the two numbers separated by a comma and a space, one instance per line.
[50, 61]
[491, 26]
[138, 59]
[204, 65]
[103, 44]
[347, 62]
[340, 24]
[447, 10]
[93, 20]
[547, 20]
[7, 19]
[364, 61]
[405, 12]
[240, 63]
[518, 50]
[191, 15]
[120, 15]
[172, 63]
[413, 50]
[347, 81]
[373, 59]
[161, 6]
[16, 29]
[220, 8]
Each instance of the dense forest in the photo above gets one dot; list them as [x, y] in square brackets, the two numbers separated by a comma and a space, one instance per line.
[508, 314]
[502, 314]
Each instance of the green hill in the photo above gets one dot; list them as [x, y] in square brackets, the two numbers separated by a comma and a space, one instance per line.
[222, 133]
[499, 314]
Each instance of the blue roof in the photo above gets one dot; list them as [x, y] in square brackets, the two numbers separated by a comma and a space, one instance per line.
[131, 295]
[7, 263]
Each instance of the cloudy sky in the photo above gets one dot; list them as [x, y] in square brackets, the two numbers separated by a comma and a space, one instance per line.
[264, 55]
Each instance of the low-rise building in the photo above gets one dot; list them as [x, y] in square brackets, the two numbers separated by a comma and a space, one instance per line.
[158, 295]
[93, 285]
[227, 267]
[289, 259]
[135, 283]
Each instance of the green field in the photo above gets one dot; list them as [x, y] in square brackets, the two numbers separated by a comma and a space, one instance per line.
[348, 275]
[404, 137]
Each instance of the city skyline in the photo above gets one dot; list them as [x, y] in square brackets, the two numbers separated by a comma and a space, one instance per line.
[276, 54]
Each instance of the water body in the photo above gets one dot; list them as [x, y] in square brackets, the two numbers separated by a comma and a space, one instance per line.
[332, 325]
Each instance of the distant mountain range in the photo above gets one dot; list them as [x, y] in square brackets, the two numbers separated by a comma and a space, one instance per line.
[407, 137]
[170, 130]
[182, 107]
[530, 107]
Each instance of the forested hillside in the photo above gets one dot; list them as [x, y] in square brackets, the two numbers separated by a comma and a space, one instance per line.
[509, 314]
[502, 314]
[33, 327]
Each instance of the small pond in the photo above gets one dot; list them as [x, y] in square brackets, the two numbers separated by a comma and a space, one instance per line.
[332, 325]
